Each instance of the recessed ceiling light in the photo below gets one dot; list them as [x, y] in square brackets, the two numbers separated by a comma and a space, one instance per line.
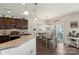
[26, 12]
[8, 11]
[35, 19]
[23, 3]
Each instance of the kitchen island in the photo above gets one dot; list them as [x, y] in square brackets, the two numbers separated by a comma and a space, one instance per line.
[25, 45]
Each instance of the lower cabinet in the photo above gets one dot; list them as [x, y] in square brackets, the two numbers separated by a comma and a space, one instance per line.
[4, 38]
[28, 48]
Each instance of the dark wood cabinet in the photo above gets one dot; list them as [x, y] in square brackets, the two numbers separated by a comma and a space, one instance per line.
[6, 23]
[4, 38]
[11, 23]
[1, 23]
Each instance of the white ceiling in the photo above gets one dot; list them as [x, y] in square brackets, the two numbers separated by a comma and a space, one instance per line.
[52, 10]
[44, 10]
[15, 8]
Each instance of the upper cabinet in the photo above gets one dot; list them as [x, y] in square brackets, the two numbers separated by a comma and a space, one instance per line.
[1, 23]
[13, 23]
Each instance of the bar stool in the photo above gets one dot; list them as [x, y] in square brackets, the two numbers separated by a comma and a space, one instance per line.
[46, 39]
[52, 43]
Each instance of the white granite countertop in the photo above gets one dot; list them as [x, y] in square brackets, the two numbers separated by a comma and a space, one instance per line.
[16, 42]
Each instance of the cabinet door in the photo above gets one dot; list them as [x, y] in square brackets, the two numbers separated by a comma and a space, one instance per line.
[4, 38]
[17, 22]
[13, 23]
[6, 23]
[26, 24]
[23, 24]
[1, 23]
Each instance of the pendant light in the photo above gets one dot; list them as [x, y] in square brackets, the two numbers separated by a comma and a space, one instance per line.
[35, 19]
[23, 3]
[26, 12]
[35, 12]
[25, 7]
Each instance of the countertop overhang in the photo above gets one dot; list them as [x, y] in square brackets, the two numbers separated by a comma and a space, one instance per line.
[17, 42]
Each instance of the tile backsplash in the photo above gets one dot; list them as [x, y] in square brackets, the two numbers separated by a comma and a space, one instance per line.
[7, 31]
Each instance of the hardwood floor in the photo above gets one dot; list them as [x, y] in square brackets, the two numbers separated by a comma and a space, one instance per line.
[61, 49]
